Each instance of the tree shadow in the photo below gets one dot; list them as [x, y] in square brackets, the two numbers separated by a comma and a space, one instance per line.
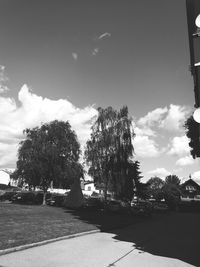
[174, 235]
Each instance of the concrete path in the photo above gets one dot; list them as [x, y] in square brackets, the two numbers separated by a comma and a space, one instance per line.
[94, 250]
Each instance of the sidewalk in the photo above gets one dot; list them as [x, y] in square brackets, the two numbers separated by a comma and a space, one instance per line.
[94, 250]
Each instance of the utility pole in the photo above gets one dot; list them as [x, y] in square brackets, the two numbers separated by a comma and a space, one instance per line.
[193, 21]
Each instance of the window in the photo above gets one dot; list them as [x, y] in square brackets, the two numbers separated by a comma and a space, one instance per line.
[190, 188]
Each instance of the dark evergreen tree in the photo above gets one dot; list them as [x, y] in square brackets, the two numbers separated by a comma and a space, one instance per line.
[193, 133]
[172, 179]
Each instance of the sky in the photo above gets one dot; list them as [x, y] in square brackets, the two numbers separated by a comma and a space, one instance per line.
[62, 59]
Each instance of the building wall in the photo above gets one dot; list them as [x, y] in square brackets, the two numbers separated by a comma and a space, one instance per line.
[4, 177]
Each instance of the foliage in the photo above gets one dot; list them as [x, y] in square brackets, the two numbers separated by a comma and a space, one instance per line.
[172, 179]
[135, 175]
[171, 191]
[193, 133]
[49, 153]
[109, 150]
[172, 194]
[155, 185]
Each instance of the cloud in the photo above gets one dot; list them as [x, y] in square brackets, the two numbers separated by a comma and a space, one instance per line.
[75, 56]
[158, 125]
[179, 146]
[170, 119]
[184, 161]
[175, 118]
[95, 51]
[33, 111]
[105, 34]
[144, 131]
[3, 80]
[196, 176]
[145, 147]
[144, 142]
[153, 118]
[160, 172]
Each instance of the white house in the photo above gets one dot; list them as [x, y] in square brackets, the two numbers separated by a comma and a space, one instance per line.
[4, 177]
[88, 188]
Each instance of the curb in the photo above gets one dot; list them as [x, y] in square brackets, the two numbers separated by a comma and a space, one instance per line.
[45, 242]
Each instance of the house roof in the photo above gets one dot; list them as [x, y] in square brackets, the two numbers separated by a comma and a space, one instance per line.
[6, 171]
[191, 182]
[88, 182]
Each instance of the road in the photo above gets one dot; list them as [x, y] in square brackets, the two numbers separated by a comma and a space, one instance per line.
[165, 240]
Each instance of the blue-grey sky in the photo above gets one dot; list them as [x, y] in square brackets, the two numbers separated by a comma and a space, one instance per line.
[132, 52]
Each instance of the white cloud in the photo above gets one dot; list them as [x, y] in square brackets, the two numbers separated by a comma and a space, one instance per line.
[144, 142]
[196, 176]
[95, 51]
[184, 161]
[175, 118]
[160, 172]
[75, 56]
[33, 111]
[170, 119]
[105, 34]
[179, 146]
[145, 147]
[153, 118]
[144, 131]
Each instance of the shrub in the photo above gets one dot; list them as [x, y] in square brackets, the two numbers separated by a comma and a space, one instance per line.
[29, 197]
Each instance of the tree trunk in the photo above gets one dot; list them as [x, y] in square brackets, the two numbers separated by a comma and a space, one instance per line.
[44, 196]
[106, 190]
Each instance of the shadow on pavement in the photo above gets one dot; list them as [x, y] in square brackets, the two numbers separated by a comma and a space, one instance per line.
[174, 235]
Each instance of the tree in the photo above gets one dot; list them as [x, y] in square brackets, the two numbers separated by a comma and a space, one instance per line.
[171, 191]
[155, 186]
[135, 174]
[109, 149]
[172, 179]
[49, 153]
[193, 133]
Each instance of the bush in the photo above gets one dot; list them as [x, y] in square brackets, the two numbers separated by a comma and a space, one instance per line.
[7, 195]
[189, 206]
[93, 203]
[56, 200]
[172, 196]
[30, 197]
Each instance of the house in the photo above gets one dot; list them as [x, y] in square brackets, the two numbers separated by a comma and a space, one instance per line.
[190, 189]
[4, 177]
[88, 188]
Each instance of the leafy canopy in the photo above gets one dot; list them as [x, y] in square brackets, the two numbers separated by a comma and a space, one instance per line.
[110, 149]
[193, 133]
[49, 153]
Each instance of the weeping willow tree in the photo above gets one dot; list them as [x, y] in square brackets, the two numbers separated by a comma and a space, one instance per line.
[49, 153]
[109, 150]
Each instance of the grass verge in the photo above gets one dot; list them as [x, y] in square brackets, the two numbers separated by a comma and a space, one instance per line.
[25, 224]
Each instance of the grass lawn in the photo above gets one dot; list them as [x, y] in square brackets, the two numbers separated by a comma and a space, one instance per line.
[25, 224]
